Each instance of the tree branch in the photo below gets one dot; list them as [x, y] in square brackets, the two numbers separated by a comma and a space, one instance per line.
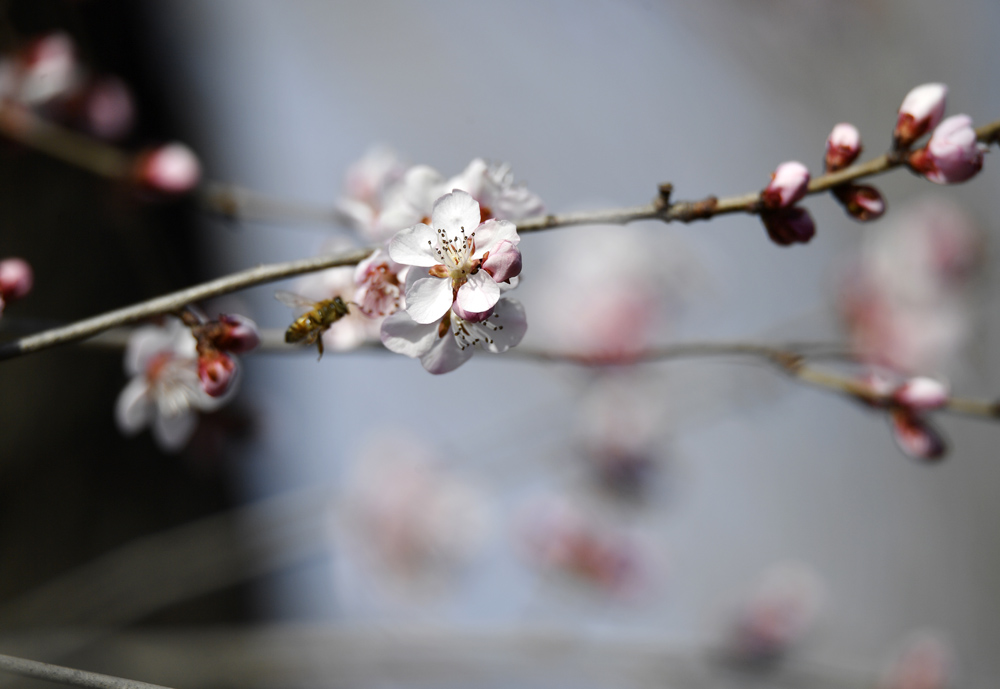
[66, 675]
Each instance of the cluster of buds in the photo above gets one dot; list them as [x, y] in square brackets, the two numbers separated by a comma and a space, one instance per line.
[861, 201]
[216, 342]
[16, 279]
[908, 404]
[785, 222]
[953, 153]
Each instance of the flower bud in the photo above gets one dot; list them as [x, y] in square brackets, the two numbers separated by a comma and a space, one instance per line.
[504, 263]
[953, 154]
[915, 436]
[216, 372]
[169, 169]
[472, 316]
[789, 225]
[237, 334]
[921, 394]
[920, 112]
[16, 278]
[789, 183]
[109, 110]
[842, 146]
[862, 202]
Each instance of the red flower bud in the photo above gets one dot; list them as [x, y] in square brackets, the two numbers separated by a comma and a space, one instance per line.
[953, 154]
[237, 334]
[920, 112]
[842, 146]
[16, 278]
[216, 371]
[169, 169]
[789, 225]
[789, 183]
[862, 202]
[915, 436]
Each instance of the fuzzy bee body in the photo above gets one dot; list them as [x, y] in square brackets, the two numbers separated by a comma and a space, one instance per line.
[308, 328]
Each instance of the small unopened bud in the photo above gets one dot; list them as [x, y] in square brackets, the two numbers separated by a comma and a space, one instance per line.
[915, 436]
[920, 112]
[504, 263]
[109, 109]
[216, 372]
[471, 316]
[862, 202]
[789, 225]
[953, 153]
[237, 334]
[843, 146]
[169, 169]
[16, 278]
[789, 183]
[921, 394]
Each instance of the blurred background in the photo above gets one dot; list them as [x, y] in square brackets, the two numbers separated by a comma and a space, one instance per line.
[358, 522]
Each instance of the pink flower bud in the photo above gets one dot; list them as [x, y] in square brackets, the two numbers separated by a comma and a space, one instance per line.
[789, 226]
[504, 263]
[216, 372]
[842, 146]
[952, 155]
[921, 394]
[16, 278]
[109, 109]
[915, 436]
[789, 183]
[169, 169]
[237, 334]
[471, 316]
[920, 112]
[862, 202]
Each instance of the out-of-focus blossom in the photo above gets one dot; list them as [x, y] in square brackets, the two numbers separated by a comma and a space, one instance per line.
[366, 186]
[906, 298]
[558, 535]
[410, 518]
[236, 334]
[789, 226]
[789, 183]
[953, 153]
[861, 201]
[216, 341]
[454, 247]
[168, 169]
[217, 372]
[45, 69]
[165, 391]
[379, 281]
[915, 435]
[16, 280]
[907, 402]
[445, 345]
[924, 662]
[843, 146]
[921, 110]
[354, 329]
[108, 108]
[782, 608]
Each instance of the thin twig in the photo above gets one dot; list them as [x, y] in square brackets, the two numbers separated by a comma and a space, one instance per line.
[67, 675]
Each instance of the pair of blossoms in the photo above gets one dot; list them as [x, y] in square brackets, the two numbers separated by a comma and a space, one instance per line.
[451, 255]
[952, 154]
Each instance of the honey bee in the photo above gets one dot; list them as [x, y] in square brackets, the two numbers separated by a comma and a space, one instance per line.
[316, 319]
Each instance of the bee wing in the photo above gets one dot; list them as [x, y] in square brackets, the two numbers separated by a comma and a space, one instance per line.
[296, 301]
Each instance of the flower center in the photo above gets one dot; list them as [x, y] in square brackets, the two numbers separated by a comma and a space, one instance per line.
[456, 256]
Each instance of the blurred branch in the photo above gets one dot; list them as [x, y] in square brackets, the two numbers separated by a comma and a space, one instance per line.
[66, 675]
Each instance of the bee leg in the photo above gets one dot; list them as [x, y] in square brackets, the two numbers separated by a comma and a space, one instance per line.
[319, 345]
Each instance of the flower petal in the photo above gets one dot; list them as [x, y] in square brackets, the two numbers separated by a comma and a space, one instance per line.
[446, 355]
[454, 212]
[173, 432]
[492, 232]
[503, 330]
[429, 299]
[479, 293]
[401, 334]
[133, 408]
[415, 246]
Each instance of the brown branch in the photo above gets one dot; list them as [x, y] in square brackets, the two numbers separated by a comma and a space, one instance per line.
[67, 675]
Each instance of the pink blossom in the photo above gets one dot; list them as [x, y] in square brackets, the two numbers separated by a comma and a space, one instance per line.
[16, 279]
[378, 279]
[109, 110]
[789, 226]
[953, 153]
[925, 661]
[366, 188]
[169, 169]
[45, 70]
[453, 247]
[921, 110]
[861, 201]
[789, 183]
[354, 329]
[216, 371]
[843, 146]
[448, 343]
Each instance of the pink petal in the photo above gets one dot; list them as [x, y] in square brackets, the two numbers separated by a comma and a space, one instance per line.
[446, 355]
[504, 263]
[427, 300]
[454, 212]
[491, 233]
[411, 247]
[401, 334]
[479, 293]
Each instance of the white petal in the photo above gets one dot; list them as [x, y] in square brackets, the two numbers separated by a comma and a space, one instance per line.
[470, 179]
[402, 335]
[492, 232]
[414, 246]
[454, 212]
[445, 355]
[411, 200]
[427, 300]
[504, 329]
[479, 293]
[133, 408]
[173, 432]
